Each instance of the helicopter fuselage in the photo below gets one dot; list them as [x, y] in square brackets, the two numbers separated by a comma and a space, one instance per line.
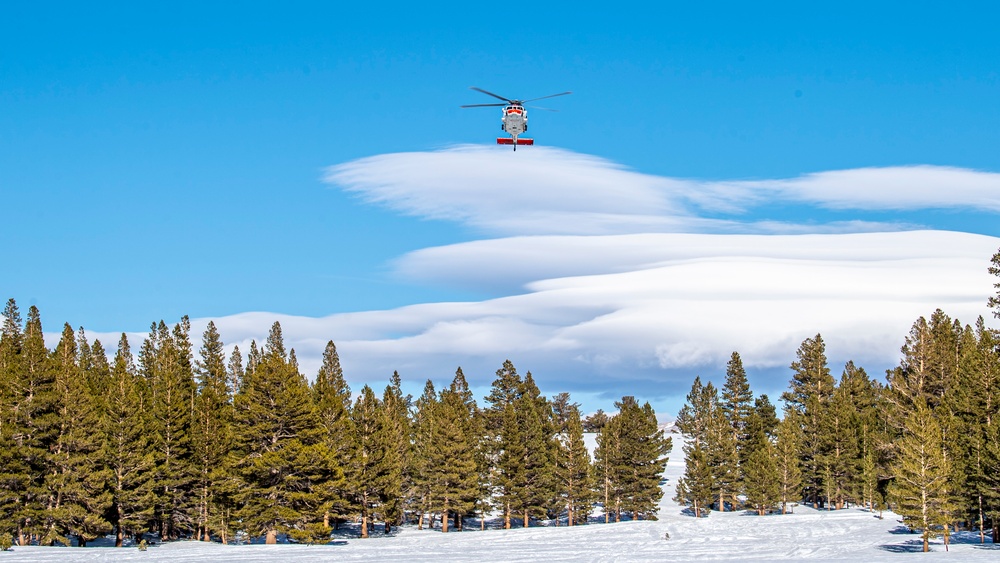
[514, 120]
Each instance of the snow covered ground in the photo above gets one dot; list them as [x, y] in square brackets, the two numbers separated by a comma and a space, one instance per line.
[845, 535]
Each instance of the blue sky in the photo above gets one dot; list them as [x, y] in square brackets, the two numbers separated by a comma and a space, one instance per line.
[162, 161]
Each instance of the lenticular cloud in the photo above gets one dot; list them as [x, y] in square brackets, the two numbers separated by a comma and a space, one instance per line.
[554, 191]
[605, 281]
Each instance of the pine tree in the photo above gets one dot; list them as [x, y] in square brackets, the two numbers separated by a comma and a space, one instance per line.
[763, 482]
[920, 488]
[36, 425]
[977, 403]
[278, 457]
[395, 409]
[369, 474]
[840, 454]
[128, 450]
[787, 447]
[643, 449]
[166, 364]
[75, 482]
[606, 457]
[595, 422]
[332, 397]
[572, 469]
[697, 486]
[15, 472]
[812, 388]
[474, 429]
[451, 464]
[535, 489]
[723, 454]
[507, 449]
[424, 437]
[737, 405]
[212, 434]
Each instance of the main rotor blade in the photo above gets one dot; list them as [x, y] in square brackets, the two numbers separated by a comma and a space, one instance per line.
[483, 106]
[551, 96]
[544, 109]
[491, 94]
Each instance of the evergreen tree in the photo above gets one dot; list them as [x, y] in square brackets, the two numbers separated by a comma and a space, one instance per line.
[279, 457]
[332, 397]
[452, 464]
[737, 406]
[572, 468]
[474, 430]
[506, 440]
[920, 487]
[840, 456]
[787, 447]
[812, 388]
[212, 435]
[369, 473]
[127, 445]
[424, 438]
[763, 482]
[595, 422]
[977, 402]
[723, 454]
[644, 448]
[398, 434]
[695, 488]
[75, 480]
[36, 426]
[234, 371]
[606, 457]
[15, 472]
[535, 488]
[166, 364]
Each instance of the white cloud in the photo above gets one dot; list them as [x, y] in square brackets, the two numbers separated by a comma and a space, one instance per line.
[613, 282]
[898, 187]
[554, 191]
[642, 314]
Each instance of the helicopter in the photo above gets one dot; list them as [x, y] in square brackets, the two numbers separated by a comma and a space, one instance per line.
[515, 116]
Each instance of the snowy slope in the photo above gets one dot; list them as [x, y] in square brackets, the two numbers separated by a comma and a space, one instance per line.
[845, 535]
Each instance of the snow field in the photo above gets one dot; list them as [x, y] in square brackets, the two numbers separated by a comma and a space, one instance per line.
[816, 535]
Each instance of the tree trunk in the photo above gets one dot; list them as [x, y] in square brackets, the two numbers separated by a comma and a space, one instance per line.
[388, 527]
[364, 525]
[722, 502]
[569, 514]
[458, 522]
[81, 541]
[525, 518]
[506, 516]
[119, 536]
[982, 530]
[420, 521]
[444, 521]
[272, 537]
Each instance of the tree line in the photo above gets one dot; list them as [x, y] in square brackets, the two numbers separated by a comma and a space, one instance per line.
[197, 444]
[925, 443]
